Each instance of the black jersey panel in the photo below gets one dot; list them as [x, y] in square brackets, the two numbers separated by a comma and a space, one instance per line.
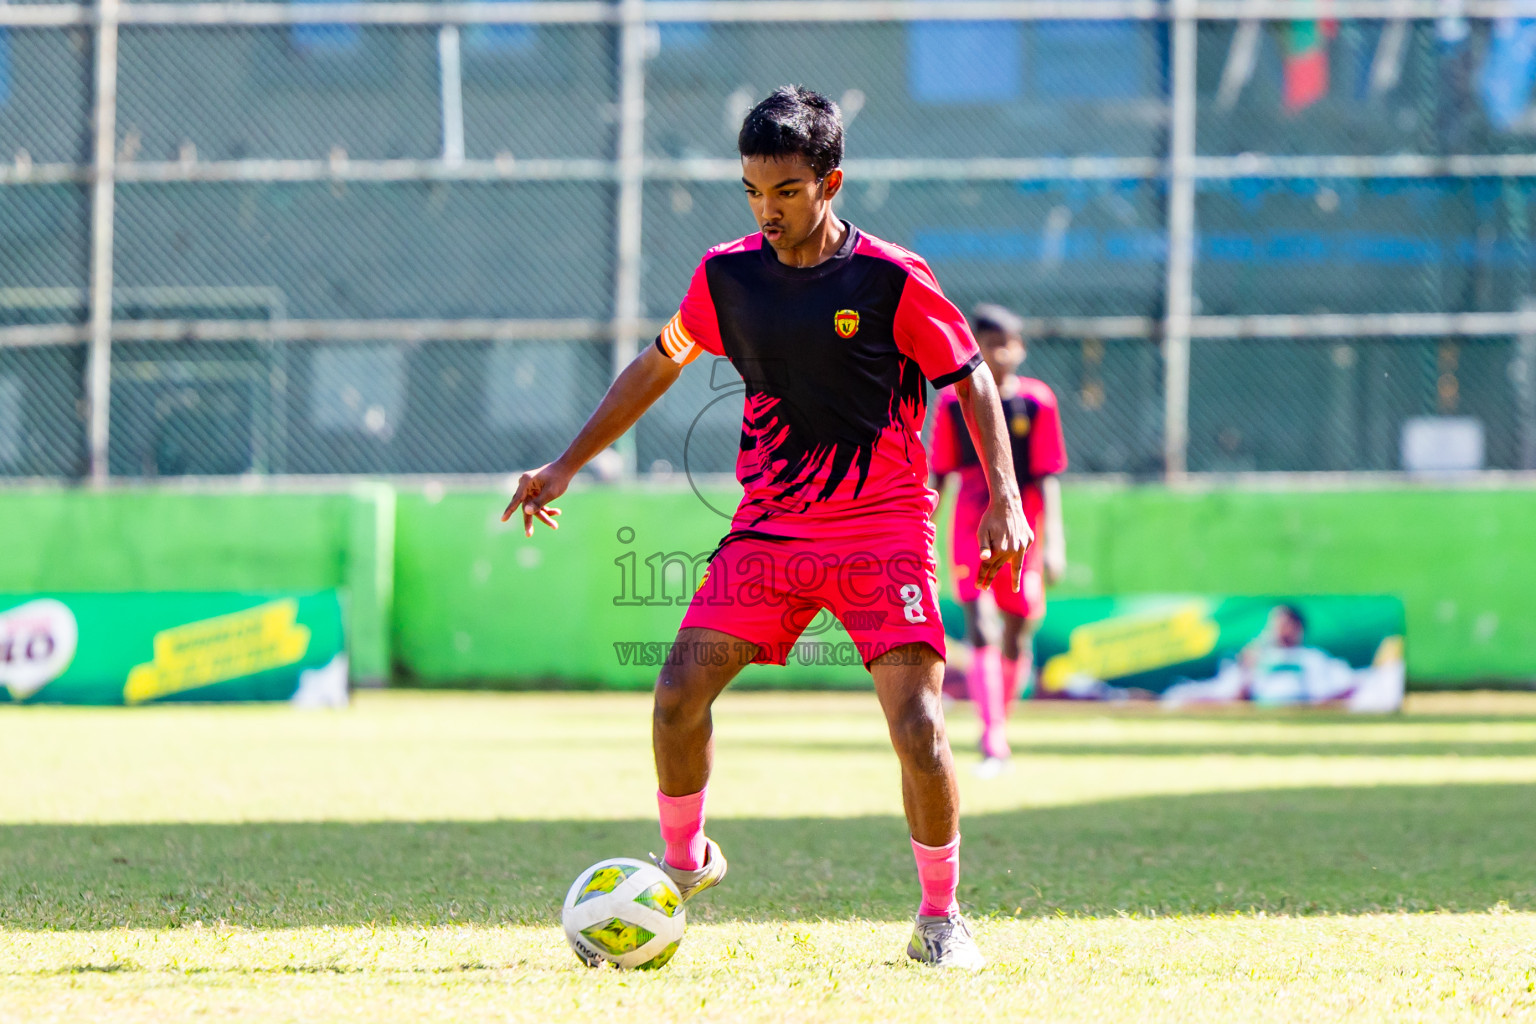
[818, 354]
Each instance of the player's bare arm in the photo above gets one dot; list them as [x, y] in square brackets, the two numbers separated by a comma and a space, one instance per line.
[636, 390]
[1054, 533]
[1004, 534]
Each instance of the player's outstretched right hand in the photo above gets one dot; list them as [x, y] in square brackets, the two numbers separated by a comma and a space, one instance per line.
[535, 490]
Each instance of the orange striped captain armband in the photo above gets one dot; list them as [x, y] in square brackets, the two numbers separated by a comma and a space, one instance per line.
[677, 343]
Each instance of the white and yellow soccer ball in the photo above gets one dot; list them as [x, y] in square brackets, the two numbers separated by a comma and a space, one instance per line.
[624, 912]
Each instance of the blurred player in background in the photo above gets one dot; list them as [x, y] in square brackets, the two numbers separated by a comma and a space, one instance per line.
[1276, 667]
[998, 672]
[833, 332]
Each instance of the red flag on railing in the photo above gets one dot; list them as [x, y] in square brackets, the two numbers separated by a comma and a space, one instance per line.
[1306, 63]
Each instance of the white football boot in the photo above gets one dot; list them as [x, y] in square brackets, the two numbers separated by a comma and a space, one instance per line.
[992, 767]
[945, 940]
[691, 883]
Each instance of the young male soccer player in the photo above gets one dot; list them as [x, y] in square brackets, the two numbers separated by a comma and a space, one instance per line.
[833, 332]
[1039, 452]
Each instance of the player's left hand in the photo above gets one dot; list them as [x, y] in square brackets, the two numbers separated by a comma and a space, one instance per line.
[1004, 536]
[535, 490]
[1055, 565]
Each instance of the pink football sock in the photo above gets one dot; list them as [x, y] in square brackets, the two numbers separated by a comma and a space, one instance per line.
[1012, 684]
[985, 682]
[938, 871]
[682, 829]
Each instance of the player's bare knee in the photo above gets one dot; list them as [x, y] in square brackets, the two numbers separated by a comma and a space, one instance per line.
[1011, 646]
[917, 729]
[673, 705]
[682, 696]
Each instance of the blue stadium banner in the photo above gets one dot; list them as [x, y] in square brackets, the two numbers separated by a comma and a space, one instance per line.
[1345, 651]
[127, 649]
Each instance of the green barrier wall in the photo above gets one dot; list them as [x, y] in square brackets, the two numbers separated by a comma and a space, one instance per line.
[1463, 561]
[478, 602]
[144, 539]
[135, 647]
[435, 584]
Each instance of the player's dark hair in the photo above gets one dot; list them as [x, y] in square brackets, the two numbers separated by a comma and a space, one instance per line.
[1294, 614]
[795, 121]
[989, 316]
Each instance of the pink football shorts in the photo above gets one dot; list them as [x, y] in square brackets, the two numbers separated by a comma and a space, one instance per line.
[965, 560]
[879, 586]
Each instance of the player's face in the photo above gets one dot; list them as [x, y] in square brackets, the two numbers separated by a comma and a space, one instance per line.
[787, 200]
[1288, 632]
[1003, 352]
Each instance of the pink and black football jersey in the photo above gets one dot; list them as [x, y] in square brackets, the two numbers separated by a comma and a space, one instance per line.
[833, 357]
[1039, 450]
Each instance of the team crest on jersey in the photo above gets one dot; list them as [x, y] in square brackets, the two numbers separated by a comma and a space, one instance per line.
[1020, 426]
[847, 322]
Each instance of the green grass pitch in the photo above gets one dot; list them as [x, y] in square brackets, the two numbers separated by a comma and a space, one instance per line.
[404, 860]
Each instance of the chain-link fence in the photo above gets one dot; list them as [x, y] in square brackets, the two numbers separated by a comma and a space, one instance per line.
[405, 237]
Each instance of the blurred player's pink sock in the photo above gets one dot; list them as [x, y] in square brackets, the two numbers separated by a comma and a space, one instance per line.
[985, 682]
[1012, 684]
[938, 870]
[682, 829]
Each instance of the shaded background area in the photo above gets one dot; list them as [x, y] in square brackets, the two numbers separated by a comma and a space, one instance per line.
[441, 244]
[394, 250]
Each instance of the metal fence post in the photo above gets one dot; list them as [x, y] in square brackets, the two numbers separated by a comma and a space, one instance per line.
[1179, 300]
[451, 87]
[98, 382]
[627, 302]
[1522, 373]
